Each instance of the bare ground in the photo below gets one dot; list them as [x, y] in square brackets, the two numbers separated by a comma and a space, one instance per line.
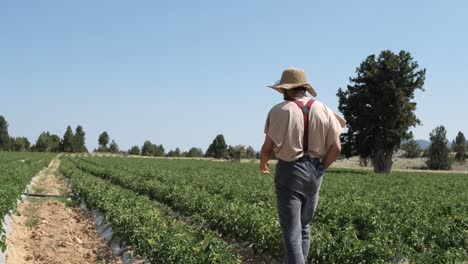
[54, 230]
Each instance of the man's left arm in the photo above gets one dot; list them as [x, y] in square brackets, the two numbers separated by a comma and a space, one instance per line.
[332, 142]
[332, 154]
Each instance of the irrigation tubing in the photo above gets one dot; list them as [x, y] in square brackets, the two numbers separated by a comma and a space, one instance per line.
[49, 195]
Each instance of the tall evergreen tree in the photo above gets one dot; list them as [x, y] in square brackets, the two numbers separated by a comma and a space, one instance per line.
[42, 142]
[438, 150]
[218, 148]
[236, 153]
[54, 143]
[378, 106]
[103, 141]
[250, 153]
[174, 153]
[47, 142]
[160, 151]
[459, 147]
[412, 149]
[135, 150]
[67, 141]
[4, 136]
[150, 149]
[195, 153]
[113, 147]
[20, 144]
[79, 140]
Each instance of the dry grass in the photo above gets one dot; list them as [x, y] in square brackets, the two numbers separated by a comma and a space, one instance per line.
[402, 164]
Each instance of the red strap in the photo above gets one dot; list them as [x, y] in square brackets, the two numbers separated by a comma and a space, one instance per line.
[305, 112]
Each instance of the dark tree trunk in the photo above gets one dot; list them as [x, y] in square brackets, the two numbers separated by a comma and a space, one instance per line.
[363, 162]
[382, 161]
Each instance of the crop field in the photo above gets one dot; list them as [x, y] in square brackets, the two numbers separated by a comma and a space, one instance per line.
[16, 171]
[362, 217]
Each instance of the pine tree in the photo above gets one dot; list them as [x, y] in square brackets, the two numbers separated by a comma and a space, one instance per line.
[67, 141]
[412, 149]
[103, 141]
[195, 153]
[113, 147]
[459, 147]
[135, 150]
[378, 108]
[236, 153]
[78, 142]
[20, 144]
[218, 148]
[150, 149]
[174, 153]
[47, 142]
[438, 150]
[250, 153]
[4, 136]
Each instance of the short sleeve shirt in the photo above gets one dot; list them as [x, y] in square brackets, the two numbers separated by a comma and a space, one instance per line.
[285, 126]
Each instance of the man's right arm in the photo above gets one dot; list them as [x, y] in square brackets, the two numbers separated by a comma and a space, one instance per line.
[267, 150]
[332, 154]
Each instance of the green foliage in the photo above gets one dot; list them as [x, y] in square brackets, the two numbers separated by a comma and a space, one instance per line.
[412, 149]
[236, 153]
[103, 140]
[20, 144]
[250, 153]
[67, 141]
[218, 148]
[150, 149]
[174, 153]
[362, 217]
[194, 153]
[378, 108]
[135, 150]
[47, 142]
[148, 225]
[438, 150]
[113, 147]
[460, 147]
[78, 142]
[16, 171]
[4, 136]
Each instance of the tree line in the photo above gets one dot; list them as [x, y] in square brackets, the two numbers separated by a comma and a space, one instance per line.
[46, 142]
[74, 142]
[218, 149]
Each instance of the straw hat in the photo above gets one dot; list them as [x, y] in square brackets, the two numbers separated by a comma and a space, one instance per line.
[293, 78]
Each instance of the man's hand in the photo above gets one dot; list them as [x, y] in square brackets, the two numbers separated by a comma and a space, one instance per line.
[267, 150]
[332, 154]
[264, 167]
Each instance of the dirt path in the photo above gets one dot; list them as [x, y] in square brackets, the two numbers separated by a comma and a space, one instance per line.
[54, 230]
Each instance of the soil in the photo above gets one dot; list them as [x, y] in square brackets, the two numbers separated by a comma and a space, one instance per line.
[54, 230]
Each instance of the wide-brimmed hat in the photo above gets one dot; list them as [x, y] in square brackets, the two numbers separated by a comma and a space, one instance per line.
[293, 78]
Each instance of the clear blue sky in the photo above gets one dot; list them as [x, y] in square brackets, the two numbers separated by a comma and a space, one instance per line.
[180, 72]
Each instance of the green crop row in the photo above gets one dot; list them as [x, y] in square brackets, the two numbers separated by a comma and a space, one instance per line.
[230, 181]
[251, 222]
[139, 221]
[16, 171]
[362, 217]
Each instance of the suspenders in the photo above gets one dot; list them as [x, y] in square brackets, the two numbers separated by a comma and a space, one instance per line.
[305, 112]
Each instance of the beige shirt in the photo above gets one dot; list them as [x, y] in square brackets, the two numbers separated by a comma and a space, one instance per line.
[285, 126]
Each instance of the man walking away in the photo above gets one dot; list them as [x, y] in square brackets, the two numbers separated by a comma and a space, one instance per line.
[304, 135]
